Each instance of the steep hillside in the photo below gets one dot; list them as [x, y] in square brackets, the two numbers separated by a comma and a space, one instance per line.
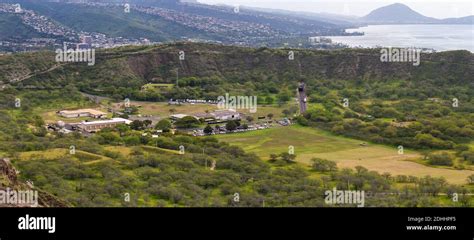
[113, 21]
[9, 181]
[12, 28]
[133, 66]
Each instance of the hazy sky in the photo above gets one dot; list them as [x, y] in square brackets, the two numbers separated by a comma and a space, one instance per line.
[430, 8]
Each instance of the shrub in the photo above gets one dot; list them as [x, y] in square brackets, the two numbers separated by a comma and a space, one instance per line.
[322, 165]
[442, 159]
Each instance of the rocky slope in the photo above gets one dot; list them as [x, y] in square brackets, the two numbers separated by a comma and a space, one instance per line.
[9, 182]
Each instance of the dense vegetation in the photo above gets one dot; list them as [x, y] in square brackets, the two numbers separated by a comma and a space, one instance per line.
[392, 104]
[101, 175]
[408, 113]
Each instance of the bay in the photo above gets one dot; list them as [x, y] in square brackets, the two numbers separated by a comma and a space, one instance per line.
[432, 36]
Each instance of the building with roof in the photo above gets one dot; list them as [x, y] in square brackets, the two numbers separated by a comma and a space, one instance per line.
[95, 126]
[82, 113]
[178, 116]
[219, 115]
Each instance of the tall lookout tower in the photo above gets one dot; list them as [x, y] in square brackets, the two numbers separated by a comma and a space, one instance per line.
[302, 97]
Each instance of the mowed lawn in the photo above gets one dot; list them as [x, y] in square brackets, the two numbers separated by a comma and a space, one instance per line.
[311, 143]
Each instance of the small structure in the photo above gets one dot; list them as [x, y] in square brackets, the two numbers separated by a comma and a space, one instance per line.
[82, 113]
[284, 122]
[226, 115]
[219, 115]
[154, 119]
[96, 126]
[174, 102]
[175, 117]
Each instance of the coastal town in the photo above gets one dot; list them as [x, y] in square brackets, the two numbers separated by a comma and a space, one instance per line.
[55, 35]
[52, 34]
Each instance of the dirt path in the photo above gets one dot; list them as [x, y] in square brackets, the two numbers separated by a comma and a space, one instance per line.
[37, 73]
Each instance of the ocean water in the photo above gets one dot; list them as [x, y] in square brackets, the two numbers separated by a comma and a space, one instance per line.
[438, 37]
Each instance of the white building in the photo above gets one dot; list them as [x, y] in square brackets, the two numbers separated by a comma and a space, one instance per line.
[96, 126]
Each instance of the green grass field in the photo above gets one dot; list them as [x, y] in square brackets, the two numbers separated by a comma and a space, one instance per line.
[309, 143]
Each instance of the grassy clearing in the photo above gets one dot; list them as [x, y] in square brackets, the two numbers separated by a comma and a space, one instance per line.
[159, 150]
[124, 151]
[163, 109]
[313, 143]
[157, 86]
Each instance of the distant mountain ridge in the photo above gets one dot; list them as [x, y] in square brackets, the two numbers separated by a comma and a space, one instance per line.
[398, 13]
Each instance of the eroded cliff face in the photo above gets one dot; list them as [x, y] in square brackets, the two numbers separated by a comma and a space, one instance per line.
[133, 66]
[11, 187]
[208, 60]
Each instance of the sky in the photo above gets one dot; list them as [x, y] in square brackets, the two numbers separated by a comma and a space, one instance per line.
[430, 8]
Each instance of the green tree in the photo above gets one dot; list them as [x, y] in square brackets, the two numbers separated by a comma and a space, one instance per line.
[443, 159]
[187, 122]
[269, 100]
[288, 157]
[231, 126]
[122, 128]
[137, 125]
[208, 130]
[164, 125]
[147, 123]
[323, 165]
[273, 157]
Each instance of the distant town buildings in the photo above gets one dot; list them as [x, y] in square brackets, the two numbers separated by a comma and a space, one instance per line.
[86, 39]
[316, 40]
[60, 34]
